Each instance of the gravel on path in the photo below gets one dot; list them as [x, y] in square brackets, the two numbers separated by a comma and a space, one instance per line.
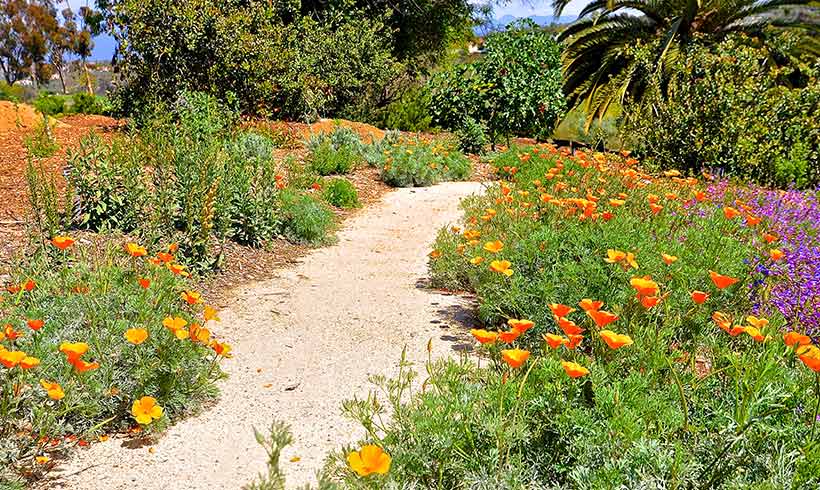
[303, 342]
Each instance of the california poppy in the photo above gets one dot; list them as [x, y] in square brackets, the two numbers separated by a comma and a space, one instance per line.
[494, 247]
[776, 254]
[35, 324]
[554, 341]
[573, 369]
[656, 208]
[520, 326]
[669, 259]
[587, 305]
[574, 341]
[191, 297]
[568, 326]
[649, 301]
[10, 333]
[83, 366]
[210, 313]
[699, 297]
[144, 282]
[515, 357]
[11, 359]
[602, 318]
[368, 460]
[793, 338]
[477, 260]
[755, 333]
[29, 362]
[721, 281]
[198, 333]
[502, 267]
[730, 212]
[508, 337]
[221, 348]
[810, 356]
[145, 410]
[645, 286]
[53, 390]
[435, 254]
[136, 335]
[614, 340]
[769, 238]
[757, 322]
[62, 242]
[165, 257]
[560, 310]
[135, 250]
[73, 350]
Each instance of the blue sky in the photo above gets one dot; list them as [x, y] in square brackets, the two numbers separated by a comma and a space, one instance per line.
[525, 8]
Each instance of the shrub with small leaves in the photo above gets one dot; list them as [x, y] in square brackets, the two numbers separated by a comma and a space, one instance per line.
[341, 193]
[304, 219]
[335, 153]
[415, 163]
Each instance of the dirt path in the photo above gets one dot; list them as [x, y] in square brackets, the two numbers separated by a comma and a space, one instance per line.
[304, 342]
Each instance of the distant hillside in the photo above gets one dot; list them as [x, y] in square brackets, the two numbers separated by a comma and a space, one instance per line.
[542, 20]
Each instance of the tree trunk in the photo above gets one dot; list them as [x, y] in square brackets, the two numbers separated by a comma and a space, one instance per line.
[62, 79]
[34, 77]
[87, 78]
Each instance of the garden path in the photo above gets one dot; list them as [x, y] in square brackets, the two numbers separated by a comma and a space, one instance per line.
[303, 342]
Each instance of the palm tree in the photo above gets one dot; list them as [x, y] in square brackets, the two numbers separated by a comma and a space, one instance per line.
[616, 46]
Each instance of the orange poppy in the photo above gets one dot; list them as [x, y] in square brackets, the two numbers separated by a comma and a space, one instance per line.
[573, 369]
[477, 260]
[574, 341]
[669, 259]
[29, 285]
[614, 256]
[494, 247]
[145, 410]
[370, 459]
[730, 212]
[721, 281]
[29, 362]
[191, 297]
[700, 196]
[614, 340]
[53, 390]
[199, 333]
[73, 350]
[144, 282]
[165, 257]
[554, 341]
[699, 297]
[769, 238]
[83, 366]
[221, 348]
[810, 356]
[796, 339]
[568, 326]
[508, 337]
[755, 333]
[752, 220]
[435, 254]
[10, 333]
[616, 203]
[136, 335]
[520, 326]
[11, 359]
[177, 269]
[649, 301]
[776, 254]
[757, 322]
[560, 310]
[210, 313]
[656, 208]
[588, 305]
[35, 324]
[602, 318]
[502, 267]
[62, 242]
[645, 286]
[135, 250]
[515, 357]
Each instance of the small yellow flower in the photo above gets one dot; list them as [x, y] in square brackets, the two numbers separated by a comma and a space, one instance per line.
[145, 410]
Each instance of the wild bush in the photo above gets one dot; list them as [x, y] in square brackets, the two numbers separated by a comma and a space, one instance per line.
[340, 193]
[337, 152]
[50, 104]
[412, 162]
[304, 219]
[41, 142]
[729, 111]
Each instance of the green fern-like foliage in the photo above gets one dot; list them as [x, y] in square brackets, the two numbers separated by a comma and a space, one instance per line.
[604, 48]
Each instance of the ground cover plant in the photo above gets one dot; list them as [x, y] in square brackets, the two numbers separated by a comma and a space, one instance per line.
[637, 333]
[97, 340]
[413, 162]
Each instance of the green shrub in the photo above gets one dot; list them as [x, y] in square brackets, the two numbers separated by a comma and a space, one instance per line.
[411, 112]
[92, 295]
[335, 153]
[304, 219]
[472, 136]
[251, 184]
[83, 103]
[414, 163]
[109, 184]
[50, 104]
[12, 93]
[728, 110]
[514, 89]
[341, 193]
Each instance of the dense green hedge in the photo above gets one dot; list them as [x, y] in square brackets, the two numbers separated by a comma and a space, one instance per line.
[741, 108]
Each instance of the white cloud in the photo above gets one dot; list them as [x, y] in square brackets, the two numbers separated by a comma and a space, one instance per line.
[524, 8]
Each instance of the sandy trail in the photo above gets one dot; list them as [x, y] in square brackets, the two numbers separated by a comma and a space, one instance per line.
[313, 335]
